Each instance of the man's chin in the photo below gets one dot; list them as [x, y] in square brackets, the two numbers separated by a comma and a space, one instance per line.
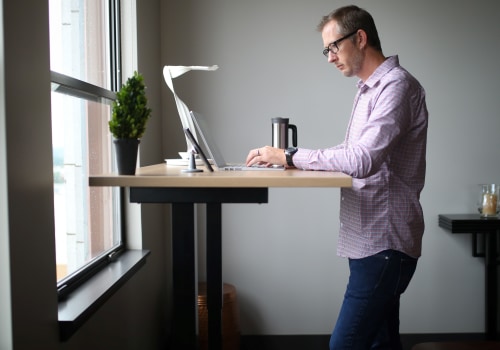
[347, 73]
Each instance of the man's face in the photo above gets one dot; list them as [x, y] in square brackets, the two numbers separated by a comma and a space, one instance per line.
[348, 59]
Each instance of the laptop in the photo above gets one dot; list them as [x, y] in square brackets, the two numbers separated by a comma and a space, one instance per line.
[214, 152]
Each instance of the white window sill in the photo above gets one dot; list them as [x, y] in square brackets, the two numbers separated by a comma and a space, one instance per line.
[81, 304]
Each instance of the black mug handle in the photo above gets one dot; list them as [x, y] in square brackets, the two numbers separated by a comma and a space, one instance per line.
[294, 134]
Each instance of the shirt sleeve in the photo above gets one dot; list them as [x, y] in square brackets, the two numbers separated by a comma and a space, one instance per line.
[379, 120]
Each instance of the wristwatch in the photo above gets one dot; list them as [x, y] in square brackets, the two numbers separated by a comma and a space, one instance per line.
[289, 152]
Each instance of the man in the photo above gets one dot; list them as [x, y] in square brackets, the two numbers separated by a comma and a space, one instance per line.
[381, 220]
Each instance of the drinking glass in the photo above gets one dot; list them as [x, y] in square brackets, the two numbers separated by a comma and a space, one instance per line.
[487, 203]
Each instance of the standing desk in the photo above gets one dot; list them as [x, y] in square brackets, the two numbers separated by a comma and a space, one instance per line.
[167, 184]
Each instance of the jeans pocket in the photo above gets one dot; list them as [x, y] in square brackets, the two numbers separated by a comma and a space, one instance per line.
[407, 268]
[389, 270]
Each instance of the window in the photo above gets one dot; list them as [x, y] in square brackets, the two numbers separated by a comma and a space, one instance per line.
[84, 60]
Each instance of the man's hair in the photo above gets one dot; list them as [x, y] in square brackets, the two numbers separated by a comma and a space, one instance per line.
[351, 18]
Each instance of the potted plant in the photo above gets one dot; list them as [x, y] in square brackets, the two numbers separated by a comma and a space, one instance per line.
[130, 114]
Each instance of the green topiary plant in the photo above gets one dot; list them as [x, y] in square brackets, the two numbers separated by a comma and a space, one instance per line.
[130, 111]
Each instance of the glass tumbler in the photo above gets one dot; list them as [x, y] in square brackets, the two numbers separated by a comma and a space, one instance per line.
[488, 204]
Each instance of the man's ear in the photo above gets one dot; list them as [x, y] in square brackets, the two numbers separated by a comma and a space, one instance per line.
[362, 38]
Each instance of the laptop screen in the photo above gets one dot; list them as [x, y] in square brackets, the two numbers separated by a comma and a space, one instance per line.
[207, 140]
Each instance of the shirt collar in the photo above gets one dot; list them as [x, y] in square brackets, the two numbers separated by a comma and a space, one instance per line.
[386, 66]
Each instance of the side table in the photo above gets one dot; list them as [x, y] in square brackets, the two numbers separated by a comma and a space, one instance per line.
[488, 230]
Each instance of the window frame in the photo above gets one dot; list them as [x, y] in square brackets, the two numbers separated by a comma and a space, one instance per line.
[74, 87]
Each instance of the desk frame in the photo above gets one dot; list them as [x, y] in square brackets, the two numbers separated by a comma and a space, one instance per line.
[183, 201]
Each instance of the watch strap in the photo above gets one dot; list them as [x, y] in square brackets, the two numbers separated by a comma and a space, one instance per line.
[289, 152]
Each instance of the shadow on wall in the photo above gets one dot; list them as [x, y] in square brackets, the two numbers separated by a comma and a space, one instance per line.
[250, 315]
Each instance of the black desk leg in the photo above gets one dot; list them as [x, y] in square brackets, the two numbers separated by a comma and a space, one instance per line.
[184, 280]
[214, 275]
[491, 289]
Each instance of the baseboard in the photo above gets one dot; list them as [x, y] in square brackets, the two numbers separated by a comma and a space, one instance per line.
[320, 342]
[285, 342]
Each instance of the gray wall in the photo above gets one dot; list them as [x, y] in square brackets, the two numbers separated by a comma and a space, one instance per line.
[281, 256]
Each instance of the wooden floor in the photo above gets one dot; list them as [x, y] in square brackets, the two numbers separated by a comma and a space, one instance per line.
[320, 342]
[458, 345]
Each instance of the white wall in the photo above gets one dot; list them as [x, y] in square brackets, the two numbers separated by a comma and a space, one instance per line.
[282, 258]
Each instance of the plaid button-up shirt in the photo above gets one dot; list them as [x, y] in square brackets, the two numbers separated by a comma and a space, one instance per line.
[384, 151]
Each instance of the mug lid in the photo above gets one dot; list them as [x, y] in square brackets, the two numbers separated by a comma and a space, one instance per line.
[279, 119]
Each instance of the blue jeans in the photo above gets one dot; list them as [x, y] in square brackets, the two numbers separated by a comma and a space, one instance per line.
[369, 317]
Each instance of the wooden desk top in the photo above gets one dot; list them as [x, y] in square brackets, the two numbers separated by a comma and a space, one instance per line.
[161, 175]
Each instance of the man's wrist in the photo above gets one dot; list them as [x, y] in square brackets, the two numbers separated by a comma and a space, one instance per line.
[289, 152]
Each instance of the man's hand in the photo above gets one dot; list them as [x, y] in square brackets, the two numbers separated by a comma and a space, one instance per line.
[266, 155]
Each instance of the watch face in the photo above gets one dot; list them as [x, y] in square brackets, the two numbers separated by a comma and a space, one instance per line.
[289, 152]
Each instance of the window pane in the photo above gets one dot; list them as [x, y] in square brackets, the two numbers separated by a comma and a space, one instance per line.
[79, 40]
[87, 219]
[87, 223]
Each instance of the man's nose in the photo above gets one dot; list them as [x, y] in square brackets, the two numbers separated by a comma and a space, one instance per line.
[332, 57]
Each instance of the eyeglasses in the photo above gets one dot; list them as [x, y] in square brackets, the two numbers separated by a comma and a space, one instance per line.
[333, 47]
